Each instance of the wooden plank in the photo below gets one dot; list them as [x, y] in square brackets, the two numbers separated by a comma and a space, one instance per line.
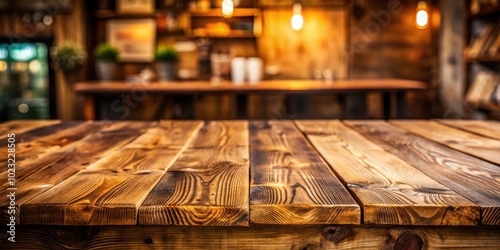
[41, 132]
[208, 184]
[485, 128]
[479, 146]
[290, 182]
[275, 86]
[42, 146]
[110, 191]
[21, 126]
[273, 237]
[38, 176]
[390, 190]
[472, 178]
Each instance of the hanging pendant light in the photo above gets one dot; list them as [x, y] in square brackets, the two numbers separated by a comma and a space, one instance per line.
[227, 8]
[297, 19]
[422, 16]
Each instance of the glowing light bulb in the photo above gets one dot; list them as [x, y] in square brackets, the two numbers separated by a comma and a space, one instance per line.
[297, 22]
[297, 19]
[422, 17]
[227, 8]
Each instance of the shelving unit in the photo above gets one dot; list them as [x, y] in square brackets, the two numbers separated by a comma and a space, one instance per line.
[111, 14]
[484, 61]
[245, 23]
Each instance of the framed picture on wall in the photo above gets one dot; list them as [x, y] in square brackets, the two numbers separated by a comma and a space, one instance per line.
[135, 6]
[135, 39]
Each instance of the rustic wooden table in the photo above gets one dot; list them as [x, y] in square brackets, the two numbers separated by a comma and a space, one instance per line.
[93, 91]
[257, 184]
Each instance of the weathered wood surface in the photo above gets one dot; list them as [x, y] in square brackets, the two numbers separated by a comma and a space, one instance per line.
[484, 128]
[391, 191]
[110, 191]
[43, 146]
[476, 145]
[281, 86]
[21, 126]
[39, 175]
[474, 179]
[208, 184]
[255, 237]
[290, 182]
[225, 174]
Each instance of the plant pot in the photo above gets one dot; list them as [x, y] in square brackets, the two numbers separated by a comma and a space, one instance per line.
[105, 71]
[166, 71]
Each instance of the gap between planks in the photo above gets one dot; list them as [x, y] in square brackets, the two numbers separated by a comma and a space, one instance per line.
[391, 191]
[110, 191]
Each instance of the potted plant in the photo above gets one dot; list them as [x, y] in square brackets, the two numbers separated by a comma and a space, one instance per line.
[166, 63]
[67, 57]
[106, 56]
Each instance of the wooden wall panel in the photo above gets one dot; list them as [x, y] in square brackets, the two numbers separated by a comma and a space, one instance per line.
[319, 45]
[70, 28]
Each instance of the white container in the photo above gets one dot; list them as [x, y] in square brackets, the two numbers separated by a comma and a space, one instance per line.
[238, 70]
[254, 70]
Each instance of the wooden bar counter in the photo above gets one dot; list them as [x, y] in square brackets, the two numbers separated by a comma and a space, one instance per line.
[94, 90]
[304, 184]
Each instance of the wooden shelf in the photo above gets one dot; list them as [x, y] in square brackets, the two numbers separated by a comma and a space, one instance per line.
[484, 59]
[486, 12]
[232, 34]
[170, 32]
[108, 14]
[490, 106]
[238, 12]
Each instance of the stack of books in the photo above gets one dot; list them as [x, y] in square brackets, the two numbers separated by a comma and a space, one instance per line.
[485, 90]
[487, 44]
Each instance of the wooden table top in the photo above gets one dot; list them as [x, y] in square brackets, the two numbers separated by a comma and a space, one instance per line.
[284, 86]
[241, 173]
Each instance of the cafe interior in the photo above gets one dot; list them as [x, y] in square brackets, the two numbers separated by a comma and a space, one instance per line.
[249, 59]
[250, 124]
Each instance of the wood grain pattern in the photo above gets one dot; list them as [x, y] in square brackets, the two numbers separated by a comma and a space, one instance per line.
[485, 128]
[43, 146]
[39, 132]
[208, 184]
[391, 191]
[41, 174]
[110, 191]
[21, 126]
[290, 182]
[472, 178]
[479, 146]
[291, 86]
[273, 237]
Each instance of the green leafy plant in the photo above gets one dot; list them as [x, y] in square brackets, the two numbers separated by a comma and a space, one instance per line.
[166, 54]
[106, 52]
[67, 57]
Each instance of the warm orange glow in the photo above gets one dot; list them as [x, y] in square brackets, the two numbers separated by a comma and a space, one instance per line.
[422, 17]
[297, 19]
[227, 8]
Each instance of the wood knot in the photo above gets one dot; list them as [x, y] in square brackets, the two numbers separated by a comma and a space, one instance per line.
[354, 185]
[336, 234]
[408, 241]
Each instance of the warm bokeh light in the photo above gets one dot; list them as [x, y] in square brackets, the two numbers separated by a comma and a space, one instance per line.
[422, 17]
[227, 8]
[3, 66]
[23, 108]
[34, 66]
[297, 22]
[297, 19]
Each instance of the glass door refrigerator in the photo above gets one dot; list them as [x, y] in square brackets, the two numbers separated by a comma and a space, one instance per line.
[24, 81]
